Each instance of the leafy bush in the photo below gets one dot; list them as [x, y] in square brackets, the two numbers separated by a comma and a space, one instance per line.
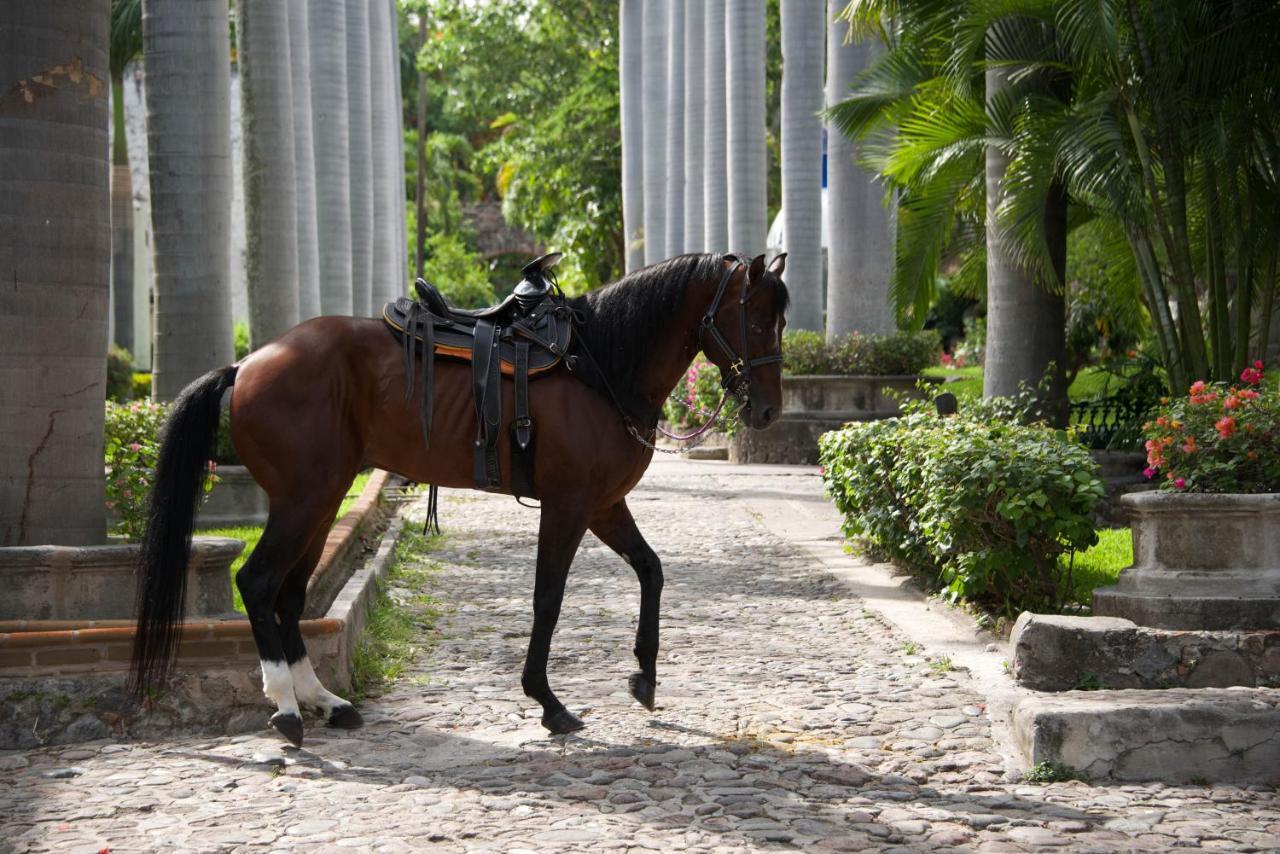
[132, 437]
[141, 385]
[119, 374]
[240, 338]
[982, 506]
[805, 353]
[885, 355]
[875, 355]
[458, 272]
[695, 399]
[1218, 438]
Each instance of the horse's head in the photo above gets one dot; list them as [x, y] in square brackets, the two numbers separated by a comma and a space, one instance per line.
[742, 336]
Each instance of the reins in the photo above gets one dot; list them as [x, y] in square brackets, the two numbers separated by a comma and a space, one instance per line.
[740, 365]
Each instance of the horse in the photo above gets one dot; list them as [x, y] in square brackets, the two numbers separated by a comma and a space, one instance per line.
[325, 400]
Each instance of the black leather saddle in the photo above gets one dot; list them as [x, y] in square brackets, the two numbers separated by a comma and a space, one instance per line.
[525, 335]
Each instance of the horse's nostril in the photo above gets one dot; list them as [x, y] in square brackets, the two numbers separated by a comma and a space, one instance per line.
[769, 414]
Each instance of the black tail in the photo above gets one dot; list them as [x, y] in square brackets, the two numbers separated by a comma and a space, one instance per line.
[189, 442]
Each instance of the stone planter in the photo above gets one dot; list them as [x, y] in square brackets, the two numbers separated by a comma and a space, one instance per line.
[236, 499]
[1200, 561]
[100, 582]
[813, 405]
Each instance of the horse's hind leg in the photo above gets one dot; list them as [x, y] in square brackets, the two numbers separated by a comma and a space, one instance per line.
[288, 533]
[617, 529]
[307, 688]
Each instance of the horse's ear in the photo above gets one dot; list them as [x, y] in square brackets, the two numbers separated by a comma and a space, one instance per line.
[778, 264]
[756, 270]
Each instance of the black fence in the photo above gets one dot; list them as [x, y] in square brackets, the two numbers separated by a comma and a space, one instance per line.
[1113, 423]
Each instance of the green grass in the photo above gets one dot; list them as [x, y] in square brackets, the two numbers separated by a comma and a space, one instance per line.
[402, 622]
[1101, 564]
[967, 382]
[252, 533]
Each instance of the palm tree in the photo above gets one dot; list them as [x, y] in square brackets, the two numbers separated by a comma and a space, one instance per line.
[860, 230]
[189, 144]
[675, 128]
[630, 35]
[385, 285]
[746, 161]
[655, 130]
[361, 151]
[695, 107]
[715, 186]
[328, 30]
[55, 250]
[126, 43]
[304, 162]
[271, 259]
[803, 34]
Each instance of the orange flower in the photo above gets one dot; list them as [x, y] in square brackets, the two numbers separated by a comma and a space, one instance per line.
[1225, 426]
[1189, 446]
[1197, 387]
[1232, 402]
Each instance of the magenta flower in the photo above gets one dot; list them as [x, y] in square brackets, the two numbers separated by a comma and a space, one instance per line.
[1180, 483]
[1149, 472]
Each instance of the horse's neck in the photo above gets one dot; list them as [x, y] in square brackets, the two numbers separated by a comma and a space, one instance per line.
[672, 354]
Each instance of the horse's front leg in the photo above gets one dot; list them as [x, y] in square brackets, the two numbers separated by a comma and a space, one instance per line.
[559, 534]
[616, 529]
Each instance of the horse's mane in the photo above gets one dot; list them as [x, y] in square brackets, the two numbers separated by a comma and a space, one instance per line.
[624, 319]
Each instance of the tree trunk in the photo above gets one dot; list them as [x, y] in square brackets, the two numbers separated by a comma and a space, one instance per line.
[630, 36]
[420, 201]
[695, 107]
[747, 163]
[328, 30]
[304, 157]
[655, 130]
[1026, 321]
[360, 140]
[402, 241]
[675, 128]
[55, 259]
[803, 33]
[860, 229]
[121, 224]
[271, 212]
[189, 143]
[386, 222]
[715, 186]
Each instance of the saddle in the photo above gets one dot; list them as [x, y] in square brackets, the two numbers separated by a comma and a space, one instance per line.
[525, 335]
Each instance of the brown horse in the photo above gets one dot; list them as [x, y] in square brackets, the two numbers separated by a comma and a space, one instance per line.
[325, 400]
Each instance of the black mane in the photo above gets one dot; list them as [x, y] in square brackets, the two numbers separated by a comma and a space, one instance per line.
[624, 319]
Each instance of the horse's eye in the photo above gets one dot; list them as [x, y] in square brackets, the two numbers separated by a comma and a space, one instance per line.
[757, 328]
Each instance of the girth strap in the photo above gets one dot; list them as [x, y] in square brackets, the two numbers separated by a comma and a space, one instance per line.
[486, 379]
[522, 428]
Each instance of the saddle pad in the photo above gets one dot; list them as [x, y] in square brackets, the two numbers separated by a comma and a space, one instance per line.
[548, 333]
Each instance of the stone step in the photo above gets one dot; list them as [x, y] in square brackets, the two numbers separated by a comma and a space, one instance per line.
[1058, 653]
[1176, 736]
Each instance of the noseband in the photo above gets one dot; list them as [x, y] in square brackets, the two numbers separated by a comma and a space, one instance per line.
[739, 384]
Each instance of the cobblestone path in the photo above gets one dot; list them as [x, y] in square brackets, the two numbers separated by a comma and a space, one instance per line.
[788, 716]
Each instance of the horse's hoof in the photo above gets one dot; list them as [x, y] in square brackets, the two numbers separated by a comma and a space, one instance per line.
[289, 725]
[562, 722]
[345, 717]
[642, 690]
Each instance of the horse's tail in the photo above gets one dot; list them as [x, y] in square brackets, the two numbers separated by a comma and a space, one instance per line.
[189, 441]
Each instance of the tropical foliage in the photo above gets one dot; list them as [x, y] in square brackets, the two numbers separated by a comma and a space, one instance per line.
[982, 506]
[1158, 119]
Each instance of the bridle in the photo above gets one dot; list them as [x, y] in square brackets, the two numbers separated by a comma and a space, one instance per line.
[739, 384]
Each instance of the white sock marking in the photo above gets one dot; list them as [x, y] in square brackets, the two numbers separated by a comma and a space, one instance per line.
[309, 690]
[277, 684]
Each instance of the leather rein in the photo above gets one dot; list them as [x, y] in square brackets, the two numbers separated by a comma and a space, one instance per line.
[739, 384]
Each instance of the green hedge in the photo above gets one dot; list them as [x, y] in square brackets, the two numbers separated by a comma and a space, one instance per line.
[874, 355]
[982, 506]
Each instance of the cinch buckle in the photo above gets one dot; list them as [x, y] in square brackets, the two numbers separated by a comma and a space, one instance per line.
[523, 421]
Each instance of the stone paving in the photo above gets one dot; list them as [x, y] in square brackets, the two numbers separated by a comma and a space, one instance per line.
[789, 717]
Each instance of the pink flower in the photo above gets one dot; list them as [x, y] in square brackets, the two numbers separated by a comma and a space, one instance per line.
[1180, 483]
[1149, 472]
[135, 447]
[1197, 387]
[1226, 425]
